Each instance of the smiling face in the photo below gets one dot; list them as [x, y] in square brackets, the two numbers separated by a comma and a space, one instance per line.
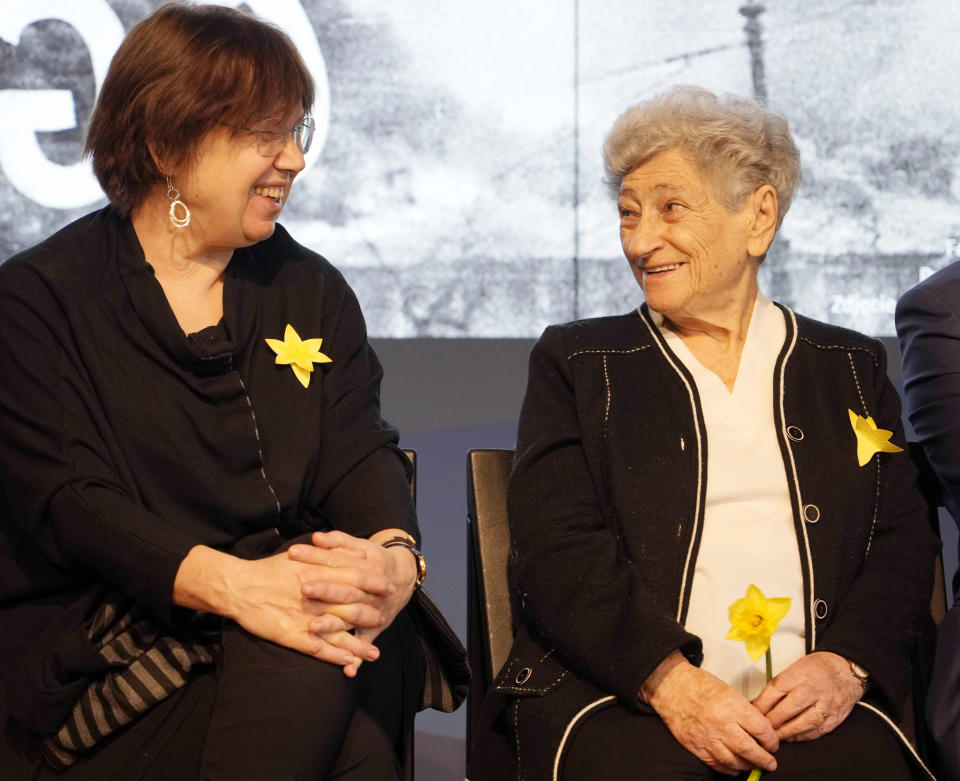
[234, 193]
[690, 254]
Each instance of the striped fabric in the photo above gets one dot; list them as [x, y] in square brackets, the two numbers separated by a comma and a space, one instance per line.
[146, 667]
[446, 676]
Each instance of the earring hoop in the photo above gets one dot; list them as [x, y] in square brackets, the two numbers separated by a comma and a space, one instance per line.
[174, 195]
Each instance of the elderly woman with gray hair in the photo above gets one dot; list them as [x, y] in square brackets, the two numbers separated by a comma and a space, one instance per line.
[670, 458]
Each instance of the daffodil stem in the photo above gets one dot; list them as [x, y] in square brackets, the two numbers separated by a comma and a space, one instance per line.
[757, 772]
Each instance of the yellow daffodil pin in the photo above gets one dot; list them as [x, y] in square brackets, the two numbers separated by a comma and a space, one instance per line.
[870, 439]
[754, 619]
[299, 353]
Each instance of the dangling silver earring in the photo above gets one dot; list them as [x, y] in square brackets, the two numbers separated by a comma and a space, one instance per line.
[174, 195]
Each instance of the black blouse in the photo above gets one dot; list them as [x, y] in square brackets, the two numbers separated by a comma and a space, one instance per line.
[124, 443]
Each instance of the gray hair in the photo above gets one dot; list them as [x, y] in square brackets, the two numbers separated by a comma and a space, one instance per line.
[738, 144]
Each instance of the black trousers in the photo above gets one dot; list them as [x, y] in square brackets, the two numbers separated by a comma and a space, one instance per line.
[264, 712]
[615, 743]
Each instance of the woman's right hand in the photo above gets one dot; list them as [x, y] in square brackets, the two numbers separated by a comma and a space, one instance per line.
[711, 720]
[265, 597]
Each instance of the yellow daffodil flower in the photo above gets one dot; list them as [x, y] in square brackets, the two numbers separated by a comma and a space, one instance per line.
[755, 618]
[299, 353]
[870, 439]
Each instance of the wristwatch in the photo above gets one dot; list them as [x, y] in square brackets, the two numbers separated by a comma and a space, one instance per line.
[403, 542]
[860, 674]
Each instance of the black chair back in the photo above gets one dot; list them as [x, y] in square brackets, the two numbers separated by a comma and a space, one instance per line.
[491, 606]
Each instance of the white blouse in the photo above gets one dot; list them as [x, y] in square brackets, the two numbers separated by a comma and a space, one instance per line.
[748, 531]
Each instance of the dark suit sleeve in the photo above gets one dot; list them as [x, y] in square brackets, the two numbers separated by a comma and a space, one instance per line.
[578, 588]
[929, 329]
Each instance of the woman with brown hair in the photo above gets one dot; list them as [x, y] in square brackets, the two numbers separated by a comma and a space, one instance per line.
[207, 539]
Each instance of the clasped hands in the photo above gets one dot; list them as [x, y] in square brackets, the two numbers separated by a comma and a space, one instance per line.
[729, 733]
[329, 599]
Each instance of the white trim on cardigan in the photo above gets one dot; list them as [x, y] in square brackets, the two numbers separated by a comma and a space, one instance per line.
[812, 637]
[896, 731]
[566, 733]
[659, 341]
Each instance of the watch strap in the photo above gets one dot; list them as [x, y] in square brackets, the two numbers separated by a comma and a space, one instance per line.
[403, 542]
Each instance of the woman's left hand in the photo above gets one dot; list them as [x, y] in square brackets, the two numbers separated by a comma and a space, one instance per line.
[811, 697]
[396, 564]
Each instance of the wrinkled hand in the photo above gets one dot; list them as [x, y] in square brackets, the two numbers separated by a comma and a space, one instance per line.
[267, 599]
[811, 697]
[363, 567]
[710, 719]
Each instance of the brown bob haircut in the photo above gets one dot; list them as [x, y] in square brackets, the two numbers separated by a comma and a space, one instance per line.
[178, 73]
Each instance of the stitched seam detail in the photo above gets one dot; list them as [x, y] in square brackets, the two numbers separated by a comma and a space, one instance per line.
[256, 432]
[876, 508]
[539, 690]
[606, 382]
[846, 347]
[516, 737]
[609, 352]
[856, 380]
[530, 690]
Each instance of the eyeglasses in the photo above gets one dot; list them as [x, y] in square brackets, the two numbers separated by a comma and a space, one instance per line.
[270, 143]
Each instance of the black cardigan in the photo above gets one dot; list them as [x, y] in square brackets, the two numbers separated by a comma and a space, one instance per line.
[124, 443]
[606, 505]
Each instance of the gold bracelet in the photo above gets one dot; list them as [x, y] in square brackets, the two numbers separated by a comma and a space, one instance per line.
[403, 542]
